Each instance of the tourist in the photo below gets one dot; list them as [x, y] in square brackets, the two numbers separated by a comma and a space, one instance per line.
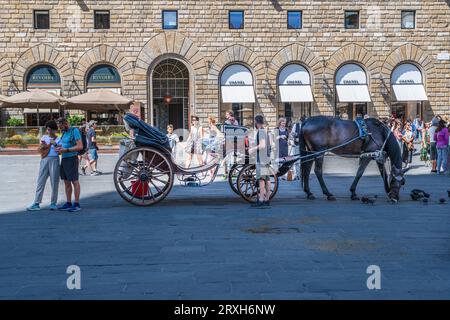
[424, 152]
[262, 163]
[69, 146]
[433, 151]
[92, 146]
[194, 143]
[282, 138]
[173, 140]
[211, 143]
[441, 137]
[418, 125]
[49, 167]
[229, 115]
[84, 154]
[396, 131]
[294, 141]
[408, 144]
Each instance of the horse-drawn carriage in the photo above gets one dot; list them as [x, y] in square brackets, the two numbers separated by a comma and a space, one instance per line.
[146, 170]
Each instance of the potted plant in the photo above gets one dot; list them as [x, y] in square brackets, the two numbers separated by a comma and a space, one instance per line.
[14, 122]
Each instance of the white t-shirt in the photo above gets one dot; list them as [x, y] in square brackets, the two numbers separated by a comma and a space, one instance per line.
[431, 132]
[47, 140]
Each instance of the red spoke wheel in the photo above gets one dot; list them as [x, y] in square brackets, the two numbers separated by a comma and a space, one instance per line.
[143, 176]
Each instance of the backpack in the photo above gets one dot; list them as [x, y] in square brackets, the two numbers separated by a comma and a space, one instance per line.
[84, 141]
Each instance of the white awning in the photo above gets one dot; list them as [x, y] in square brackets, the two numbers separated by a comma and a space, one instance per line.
[409, 92]
[353, 93]
[238, 94]
[294, 93]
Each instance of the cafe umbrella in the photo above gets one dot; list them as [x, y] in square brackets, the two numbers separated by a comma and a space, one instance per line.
[99, 100]
[33, 98]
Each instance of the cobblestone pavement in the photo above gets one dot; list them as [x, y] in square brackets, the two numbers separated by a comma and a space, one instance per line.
[205, 243]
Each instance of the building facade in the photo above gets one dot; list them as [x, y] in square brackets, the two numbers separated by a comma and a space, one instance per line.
[276, 58]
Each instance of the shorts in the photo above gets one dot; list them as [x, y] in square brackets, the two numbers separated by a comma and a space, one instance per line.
[69, 169]
[262, 172]
[93, 155]
[433, 151]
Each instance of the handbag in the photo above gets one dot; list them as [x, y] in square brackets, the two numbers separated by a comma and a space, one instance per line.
[44, 150]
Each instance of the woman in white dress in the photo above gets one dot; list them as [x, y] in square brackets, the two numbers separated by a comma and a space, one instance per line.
[194, 142]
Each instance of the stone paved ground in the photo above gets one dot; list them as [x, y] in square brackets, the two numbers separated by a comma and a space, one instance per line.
[205, 243]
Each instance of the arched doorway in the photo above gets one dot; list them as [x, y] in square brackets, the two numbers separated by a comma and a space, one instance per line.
[47, 78]
[104, 77]
[409, 92]
[170, 94]
[237, 94]
[295, 95]
[352, 91]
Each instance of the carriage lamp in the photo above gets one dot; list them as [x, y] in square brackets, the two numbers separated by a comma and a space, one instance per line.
[383, 88]
[167, 99]
[326, 89]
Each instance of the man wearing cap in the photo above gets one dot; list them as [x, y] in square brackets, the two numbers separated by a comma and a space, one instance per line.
[91, 137]
[68, 148]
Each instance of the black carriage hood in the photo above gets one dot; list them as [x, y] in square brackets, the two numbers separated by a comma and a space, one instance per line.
[144, 133]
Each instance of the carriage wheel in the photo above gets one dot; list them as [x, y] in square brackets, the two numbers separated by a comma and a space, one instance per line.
[232, 177]
[246, 183]
[143, 176]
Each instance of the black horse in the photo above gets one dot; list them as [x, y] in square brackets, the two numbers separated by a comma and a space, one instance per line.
[323, 133]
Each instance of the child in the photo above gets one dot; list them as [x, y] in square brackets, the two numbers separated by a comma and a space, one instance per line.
[173, 139]
[262, 163]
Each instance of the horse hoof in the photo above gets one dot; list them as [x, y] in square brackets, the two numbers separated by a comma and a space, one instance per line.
[393, 200]
[331, 198]
[355, 198]
[311, 197]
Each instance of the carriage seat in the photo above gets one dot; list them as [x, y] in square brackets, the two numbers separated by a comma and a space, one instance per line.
[145, 134]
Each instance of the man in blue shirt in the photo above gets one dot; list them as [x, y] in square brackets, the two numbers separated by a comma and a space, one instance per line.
[68, 148]
[91, 137]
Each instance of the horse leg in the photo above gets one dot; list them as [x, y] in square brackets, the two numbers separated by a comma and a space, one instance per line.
[318, 170]
[363, 163]
[306, 171]
[383, 173]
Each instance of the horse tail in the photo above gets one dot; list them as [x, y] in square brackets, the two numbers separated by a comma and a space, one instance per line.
[302, 147]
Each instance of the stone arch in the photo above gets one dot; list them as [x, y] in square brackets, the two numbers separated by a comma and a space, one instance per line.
[104, 54]
[5, 72]
[348, 54]
[407, 53]
[169, 43]
[41, 54]
[295, 53]
[237, 54]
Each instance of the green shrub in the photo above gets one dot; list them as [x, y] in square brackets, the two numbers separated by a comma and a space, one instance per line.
[30, 139]
[116, 137]
[16, 139]
[75, 120]
[103, 139]
[14, 122]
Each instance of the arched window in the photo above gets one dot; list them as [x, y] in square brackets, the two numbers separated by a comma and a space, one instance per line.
[294, 93]
[352, 91]
[237, 94]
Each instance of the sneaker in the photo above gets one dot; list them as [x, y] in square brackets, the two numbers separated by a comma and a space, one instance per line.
[34, 207]
[94, 173]
[99, 172]
[66, 206]
[53, 207]
[75, 208]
